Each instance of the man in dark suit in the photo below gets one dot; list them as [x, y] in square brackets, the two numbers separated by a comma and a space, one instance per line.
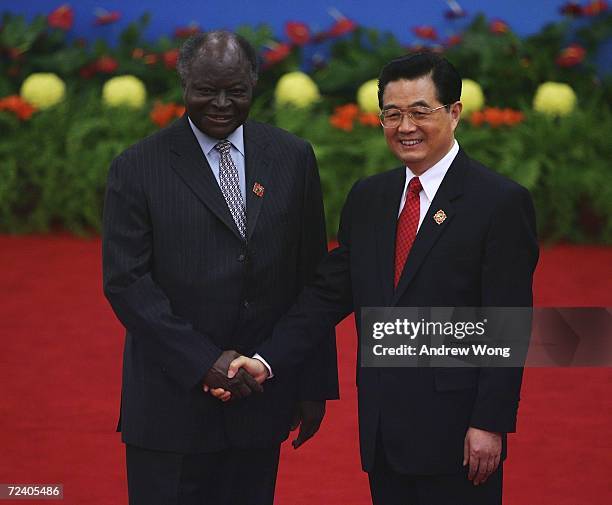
[211, 228]
[442, 230]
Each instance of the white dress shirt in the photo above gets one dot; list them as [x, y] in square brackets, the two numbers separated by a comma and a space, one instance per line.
[430, 181]
[207, 144]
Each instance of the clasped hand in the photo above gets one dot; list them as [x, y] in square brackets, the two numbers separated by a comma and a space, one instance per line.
[234, 376]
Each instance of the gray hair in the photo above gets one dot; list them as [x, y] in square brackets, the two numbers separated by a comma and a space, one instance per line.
[190, 48]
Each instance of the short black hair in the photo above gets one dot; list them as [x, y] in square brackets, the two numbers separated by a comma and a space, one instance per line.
[191, 47]
[444, 75]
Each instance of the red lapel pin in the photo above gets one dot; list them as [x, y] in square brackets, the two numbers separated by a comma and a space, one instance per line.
[258, 189]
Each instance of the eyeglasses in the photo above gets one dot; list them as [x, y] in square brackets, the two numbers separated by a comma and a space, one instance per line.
[392, 118]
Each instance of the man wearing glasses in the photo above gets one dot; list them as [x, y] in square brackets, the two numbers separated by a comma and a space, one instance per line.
[441, 230]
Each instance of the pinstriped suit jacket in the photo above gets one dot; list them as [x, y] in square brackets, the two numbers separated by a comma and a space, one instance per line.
[186, 286]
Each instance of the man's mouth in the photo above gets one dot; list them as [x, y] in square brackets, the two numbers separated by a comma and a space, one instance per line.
[218, 118]
[410, 143]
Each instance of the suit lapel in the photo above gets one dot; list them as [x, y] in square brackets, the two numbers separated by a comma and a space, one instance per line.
[191, 165]
[390, 201]
[257, 168]
[429, 232]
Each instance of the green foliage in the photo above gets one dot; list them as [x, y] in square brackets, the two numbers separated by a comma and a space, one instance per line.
[53, 166]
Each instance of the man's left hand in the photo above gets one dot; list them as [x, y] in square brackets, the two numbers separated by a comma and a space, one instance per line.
[482, 452]
[308, 416]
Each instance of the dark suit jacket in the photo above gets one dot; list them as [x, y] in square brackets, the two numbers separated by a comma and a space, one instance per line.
[483, 254]
[186, 286]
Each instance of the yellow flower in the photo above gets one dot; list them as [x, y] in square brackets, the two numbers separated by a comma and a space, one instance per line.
[367, 96]
[43, 90]
[472, 97]
[297, 89]
[124, 90]
[554, 99]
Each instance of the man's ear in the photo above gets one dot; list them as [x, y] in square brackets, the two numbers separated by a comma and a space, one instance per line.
[455, 112]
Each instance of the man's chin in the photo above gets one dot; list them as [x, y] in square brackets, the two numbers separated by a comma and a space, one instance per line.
[217, 131]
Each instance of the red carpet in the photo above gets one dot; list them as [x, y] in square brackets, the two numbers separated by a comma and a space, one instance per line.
[60, 373]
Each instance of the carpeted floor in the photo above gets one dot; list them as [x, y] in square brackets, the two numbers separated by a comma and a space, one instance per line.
[60, 378]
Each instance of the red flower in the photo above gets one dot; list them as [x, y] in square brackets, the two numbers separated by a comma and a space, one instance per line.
[184, 32]
[453, 40]
[276, 54]
[498, 27]
[170, 58]
[298, 33]
[163, 113]
[106, 64]
[425, 32]
[369, 119]
[595, 7]
[62, 18]
[341, 27]
[571, 56]
[18, 106]
[104, 17]
[572, 9]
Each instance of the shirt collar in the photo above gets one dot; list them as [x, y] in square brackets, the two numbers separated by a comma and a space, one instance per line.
[208, 143]
[432, 177]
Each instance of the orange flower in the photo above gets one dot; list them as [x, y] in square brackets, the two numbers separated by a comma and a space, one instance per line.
[477, 118]
[498, 26]
[163, 113]
[596, 7]
[571, 56]
[18, 106]
[151, 59]
[170, 58]
[349, 111]
[369, 119]
[496, 117]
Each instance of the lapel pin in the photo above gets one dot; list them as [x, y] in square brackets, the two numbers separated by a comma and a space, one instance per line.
[439, 216]
[258, 189]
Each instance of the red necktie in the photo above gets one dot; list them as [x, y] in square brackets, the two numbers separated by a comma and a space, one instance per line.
[407, 225]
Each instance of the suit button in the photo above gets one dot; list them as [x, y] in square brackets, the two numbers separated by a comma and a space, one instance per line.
[241, 257]
[246, 304]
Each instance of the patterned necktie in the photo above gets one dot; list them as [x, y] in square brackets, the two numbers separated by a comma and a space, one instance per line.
[407, 225]
[230, 185]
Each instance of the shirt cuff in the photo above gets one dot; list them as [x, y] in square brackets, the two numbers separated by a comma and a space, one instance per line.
[270, 374]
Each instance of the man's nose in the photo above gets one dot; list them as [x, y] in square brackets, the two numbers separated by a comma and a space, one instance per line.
[221, 99]
[406, 125]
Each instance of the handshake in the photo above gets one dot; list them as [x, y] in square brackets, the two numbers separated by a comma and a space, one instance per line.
[235, 376]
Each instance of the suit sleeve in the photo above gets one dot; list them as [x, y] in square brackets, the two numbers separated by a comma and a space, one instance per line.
[322, 304]
[139, 303]
[510, 257]
[319, 377]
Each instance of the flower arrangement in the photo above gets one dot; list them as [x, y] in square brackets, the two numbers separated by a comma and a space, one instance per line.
[317, 83]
